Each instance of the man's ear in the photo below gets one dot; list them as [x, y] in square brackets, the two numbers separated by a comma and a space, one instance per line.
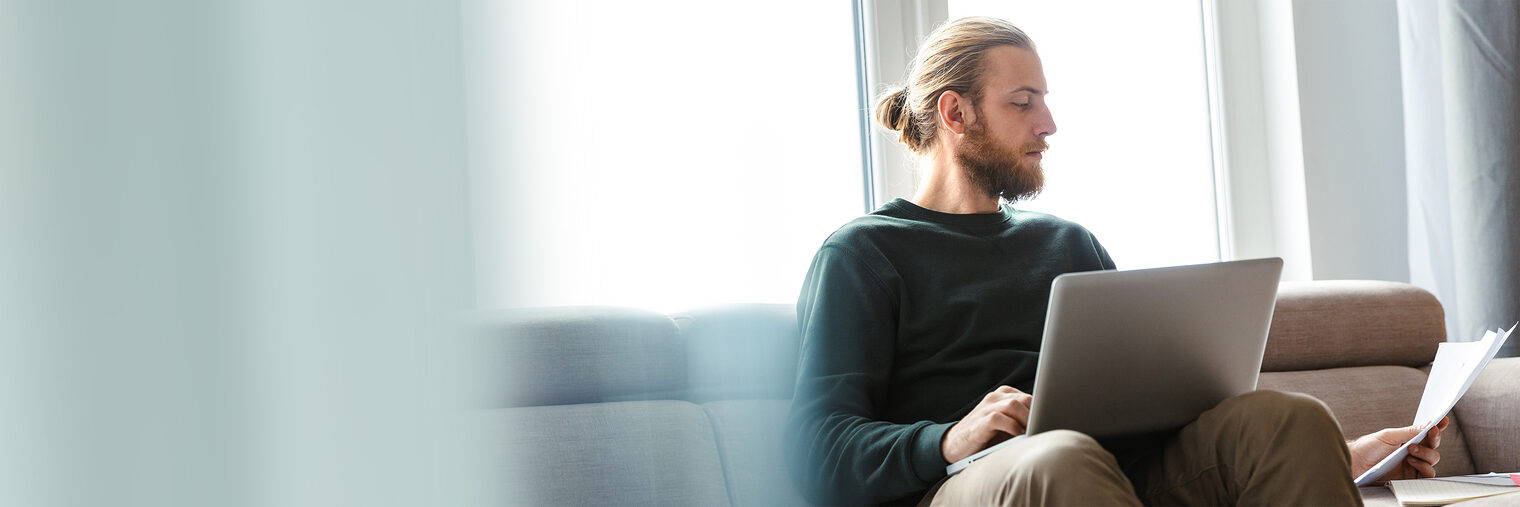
[955, 112]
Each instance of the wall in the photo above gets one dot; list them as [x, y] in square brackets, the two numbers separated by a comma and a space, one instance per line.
[1314, 130]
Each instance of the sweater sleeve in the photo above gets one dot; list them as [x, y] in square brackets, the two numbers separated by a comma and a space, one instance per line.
[838, 451]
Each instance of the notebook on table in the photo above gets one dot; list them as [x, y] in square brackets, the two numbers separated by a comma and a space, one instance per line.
[1445, 490]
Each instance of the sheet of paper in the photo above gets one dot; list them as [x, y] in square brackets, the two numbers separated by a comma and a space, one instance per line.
[1493, 349]
[1449, 370]
[1494, 479]
[1456, 367]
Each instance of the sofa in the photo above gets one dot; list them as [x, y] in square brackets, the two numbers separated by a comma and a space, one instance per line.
[618, 406]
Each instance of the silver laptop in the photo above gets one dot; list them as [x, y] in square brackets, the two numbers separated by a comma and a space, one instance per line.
[1129, 352]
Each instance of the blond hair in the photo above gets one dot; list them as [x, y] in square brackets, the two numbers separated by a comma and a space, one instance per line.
[950, 60]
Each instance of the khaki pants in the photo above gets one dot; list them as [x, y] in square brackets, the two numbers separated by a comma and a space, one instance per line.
[1260, 448]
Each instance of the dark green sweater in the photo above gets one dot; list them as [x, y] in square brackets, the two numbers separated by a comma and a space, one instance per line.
[908, 317]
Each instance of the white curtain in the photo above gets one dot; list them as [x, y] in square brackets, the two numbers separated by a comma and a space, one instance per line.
[1462, 145]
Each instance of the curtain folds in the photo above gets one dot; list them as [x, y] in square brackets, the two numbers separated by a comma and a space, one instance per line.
[1461, 82]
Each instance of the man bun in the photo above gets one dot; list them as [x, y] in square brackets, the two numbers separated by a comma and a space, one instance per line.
[893, 112]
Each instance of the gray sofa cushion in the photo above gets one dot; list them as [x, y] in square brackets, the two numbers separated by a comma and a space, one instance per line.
[749, 441]
[744, 351]
[566, 355]
[622, 453]
[1369, 398]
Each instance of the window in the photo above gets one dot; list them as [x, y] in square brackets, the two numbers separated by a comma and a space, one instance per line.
[664, 154]
[1132, 159]
[633, 157]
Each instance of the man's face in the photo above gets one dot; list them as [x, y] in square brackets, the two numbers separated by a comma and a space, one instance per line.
[1006, 139]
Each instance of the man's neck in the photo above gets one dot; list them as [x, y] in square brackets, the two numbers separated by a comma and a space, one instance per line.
[945, 187]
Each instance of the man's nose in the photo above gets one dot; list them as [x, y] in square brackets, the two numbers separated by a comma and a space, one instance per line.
[1047, 124]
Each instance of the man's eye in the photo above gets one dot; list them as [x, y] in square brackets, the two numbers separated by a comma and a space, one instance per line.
[1026, 104]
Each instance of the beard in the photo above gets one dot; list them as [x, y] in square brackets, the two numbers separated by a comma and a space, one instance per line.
[998, 170]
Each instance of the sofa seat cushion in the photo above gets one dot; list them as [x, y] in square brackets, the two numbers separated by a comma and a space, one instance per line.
[1369, 398]
[619, 453]
[749, 441]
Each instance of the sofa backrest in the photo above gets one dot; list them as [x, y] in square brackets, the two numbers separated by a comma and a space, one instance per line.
[591, 354]
[567, 355]
[1341, 323]
[745, 351]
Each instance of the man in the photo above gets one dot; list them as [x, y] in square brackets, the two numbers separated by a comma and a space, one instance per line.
[922, 321]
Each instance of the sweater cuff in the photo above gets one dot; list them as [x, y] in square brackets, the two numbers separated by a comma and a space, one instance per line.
[928, 459]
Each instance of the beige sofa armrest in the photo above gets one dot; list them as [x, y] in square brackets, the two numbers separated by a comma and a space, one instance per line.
[1490, 417]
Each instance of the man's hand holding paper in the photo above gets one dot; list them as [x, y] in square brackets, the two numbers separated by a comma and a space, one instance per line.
[1422, 457]
[1454, 370]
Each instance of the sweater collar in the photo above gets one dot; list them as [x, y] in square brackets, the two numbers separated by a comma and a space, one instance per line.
[1001, 215]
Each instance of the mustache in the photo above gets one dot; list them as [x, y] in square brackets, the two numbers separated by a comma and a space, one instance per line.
[1035, 146]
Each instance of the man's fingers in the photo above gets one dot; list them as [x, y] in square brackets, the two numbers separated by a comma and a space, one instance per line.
[1018, 407]
[1002, 397]
[1005, 423]
[1421, 467]
[1424, 454]
[1434, 437]
[1005, 390]
[1422, 460]
[1001, 393]
[1397, 436]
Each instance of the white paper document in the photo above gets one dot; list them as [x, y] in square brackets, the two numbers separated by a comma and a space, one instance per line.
[1455, 368]
[1488, 479]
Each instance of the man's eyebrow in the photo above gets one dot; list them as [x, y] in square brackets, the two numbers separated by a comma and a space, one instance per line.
[1030, 89]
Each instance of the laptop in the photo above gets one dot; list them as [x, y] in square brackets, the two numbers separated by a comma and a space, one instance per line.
[1131, 352]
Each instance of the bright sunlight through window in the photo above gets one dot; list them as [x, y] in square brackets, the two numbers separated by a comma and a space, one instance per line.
[684, 152]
